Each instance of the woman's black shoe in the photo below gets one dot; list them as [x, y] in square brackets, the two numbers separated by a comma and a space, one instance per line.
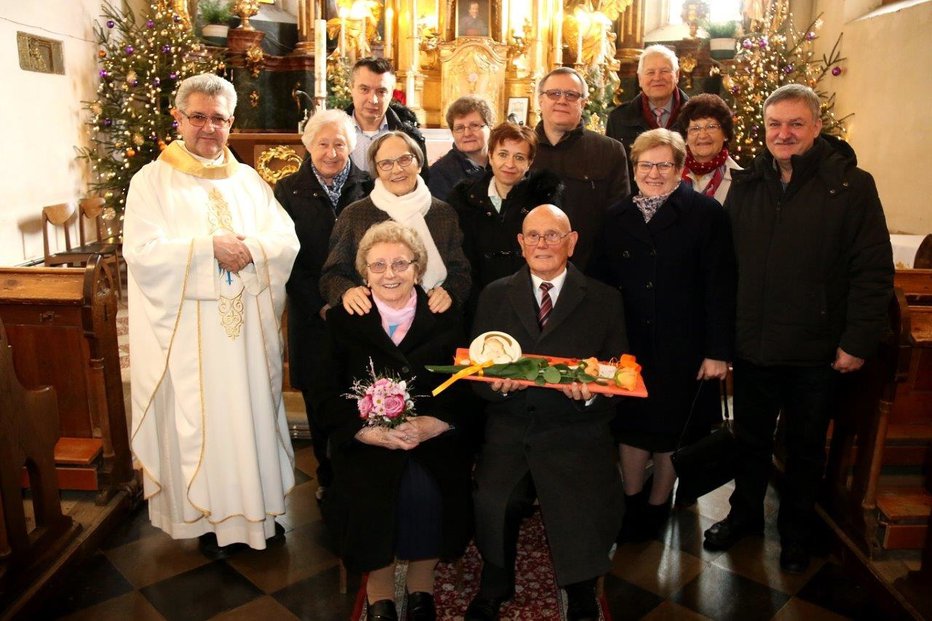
[382, 610]
[421, 607]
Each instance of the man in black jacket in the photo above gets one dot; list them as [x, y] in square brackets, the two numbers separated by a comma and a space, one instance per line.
[593, 168]
[815, 275]
[374, 113]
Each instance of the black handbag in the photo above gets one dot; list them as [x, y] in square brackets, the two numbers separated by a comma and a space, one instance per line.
[708, 463]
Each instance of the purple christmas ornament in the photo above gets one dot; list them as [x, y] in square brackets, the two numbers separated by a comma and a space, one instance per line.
[103, 73]
[150, 24]
[172, 76]
[166, 49]
[174, 124]
[110, 23]
[762, 43]
[746, 44]
[108, 122]
[836, 71]
[176, 18]
[788, 69]
[810, 36]
[156, 81]
[129, 49]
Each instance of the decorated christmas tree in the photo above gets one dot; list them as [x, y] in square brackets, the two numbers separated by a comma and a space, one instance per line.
[779, 54]
[141, 65]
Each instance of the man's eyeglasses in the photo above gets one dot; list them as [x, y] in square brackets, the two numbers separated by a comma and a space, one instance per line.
[554, 94]
[662, 167]
[696, 129]
[398, 266]
[551, 237]
[652, 73]
[200, 120]
[472, 127]
[403, 160]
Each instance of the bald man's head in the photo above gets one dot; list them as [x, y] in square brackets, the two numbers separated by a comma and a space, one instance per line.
[547, 241]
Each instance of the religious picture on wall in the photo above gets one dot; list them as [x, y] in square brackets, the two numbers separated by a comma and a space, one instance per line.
[517, 110]
[472, 18]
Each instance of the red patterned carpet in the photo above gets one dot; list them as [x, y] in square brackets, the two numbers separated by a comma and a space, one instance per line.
[537, 597]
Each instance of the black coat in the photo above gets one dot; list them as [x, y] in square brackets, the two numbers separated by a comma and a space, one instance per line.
[360, 509]
[594, 171]
[626, 122]
[490, 238]
[677, 276]
[566, 445]
[814, 260]
[314, 215]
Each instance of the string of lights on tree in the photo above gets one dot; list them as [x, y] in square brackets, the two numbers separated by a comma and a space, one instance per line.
[779, 54]
[141, 65]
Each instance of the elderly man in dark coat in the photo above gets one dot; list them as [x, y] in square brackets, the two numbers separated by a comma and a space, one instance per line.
[541, 442]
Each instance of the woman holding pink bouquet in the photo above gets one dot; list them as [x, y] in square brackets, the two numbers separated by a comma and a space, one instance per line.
[401, 472]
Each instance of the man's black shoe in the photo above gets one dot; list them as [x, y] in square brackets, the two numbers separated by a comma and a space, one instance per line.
[207, 544]
[382, 610]
[581, 602]
[421, 607]
[722, 535]
[483, 608]
[794, 558]
[278, 538]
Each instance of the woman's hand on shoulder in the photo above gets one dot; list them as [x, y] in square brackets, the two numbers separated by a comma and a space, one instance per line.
[356, 300]
[438, 300]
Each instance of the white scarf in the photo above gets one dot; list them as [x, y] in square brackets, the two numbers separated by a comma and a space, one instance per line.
[409, 210]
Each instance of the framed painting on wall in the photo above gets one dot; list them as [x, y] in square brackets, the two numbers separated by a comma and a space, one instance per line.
[517, 110]
[473, 18]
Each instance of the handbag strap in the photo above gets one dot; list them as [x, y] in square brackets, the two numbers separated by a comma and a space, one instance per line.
[692, 409]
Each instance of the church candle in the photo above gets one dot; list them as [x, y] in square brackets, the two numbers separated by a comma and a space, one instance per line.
[389, 26]
[320, 58]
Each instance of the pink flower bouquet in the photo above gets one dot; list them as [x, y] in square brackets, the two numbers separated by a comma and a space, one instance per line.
[382, 401]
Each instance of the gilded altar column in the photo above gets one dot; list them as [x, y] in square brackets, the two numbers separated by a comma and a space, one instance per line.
[307, 14]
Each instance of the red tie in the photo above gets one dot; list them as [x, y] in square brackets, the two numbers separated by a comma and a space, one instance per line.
[546, 304]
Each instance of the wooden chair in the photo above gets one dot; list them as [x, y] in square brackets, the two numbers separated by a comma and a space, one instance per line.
[65, 217]
[109, 242]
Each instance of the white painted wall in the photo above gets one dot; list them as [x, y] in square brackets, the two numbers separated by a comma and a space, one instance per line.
[887, 84]
[41, 119]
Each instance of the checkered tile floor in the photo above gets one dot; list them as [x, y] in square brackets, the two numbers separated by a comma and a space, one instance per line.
[142, 574]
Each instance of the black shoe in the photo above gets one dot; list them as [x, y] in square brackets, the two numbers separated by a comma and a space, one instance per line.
[722, 535]
[278, 538]
[582, 604]
[208, 546]
[382, 610]
[633, 520]
[794, 558]
[483, 608]
[421, 607]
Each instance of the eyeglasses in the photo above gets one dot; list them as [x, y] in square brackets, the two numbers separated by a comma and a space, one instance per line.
[651, 73]
[551, 237]
[200, 120]
[696, 129]
[554, 94]
[472, 127]
[398, 266]
[519, 158]
[403, 160]
[662, 167]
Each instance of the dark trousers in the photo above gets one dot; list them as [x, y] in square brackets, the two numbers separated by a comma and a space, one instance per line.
[500, 581]
[803, 397]
[319, 441]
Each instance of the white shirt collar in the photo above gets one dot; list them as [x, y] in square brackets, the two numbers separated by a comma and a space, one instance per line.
[557, 283]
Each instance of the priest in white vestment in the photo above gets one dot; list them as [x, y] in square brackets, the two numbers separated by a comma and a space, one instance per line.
[208, 251]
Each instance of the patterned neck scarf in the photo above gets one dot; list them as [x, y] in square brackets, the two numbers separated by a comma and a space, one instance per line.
[698, 169]
[650, 204]
[336, 188]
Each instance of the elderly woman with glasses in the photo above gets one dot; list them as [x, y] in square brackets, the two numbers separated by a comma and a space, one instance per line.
[706, 122]
[401, 493]
[491, 208]
[314, 197]
[669, 249]
[400, 194]
[469, 119]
